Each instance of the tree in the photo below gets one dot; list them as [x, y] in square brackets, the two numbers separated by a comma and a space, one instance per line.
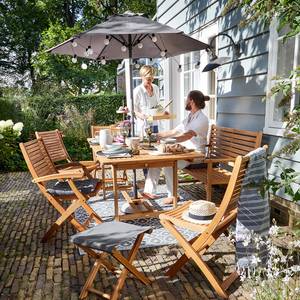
[32, 26]
[21, 24]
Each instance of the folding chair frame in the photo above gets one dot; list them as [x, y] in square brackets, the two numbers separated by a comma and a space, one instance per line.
[209, 233]
[43, 170]
[101, 261]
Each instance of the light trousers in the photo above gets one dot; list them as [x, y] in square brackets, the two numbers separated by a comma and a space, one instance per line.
[151, 182]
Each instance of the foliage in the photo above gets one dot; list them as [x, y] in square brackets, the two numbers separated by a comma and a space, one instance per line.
[287, 12]
[10, 155]
[279, 277]
[21, 24]
[76, 129]
[47, 109]
[60, 70]
[289, 178]
[30, 27]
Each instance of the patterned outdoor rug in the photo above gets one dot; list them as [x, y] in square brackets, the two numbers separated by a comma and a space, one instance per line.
[158, 237]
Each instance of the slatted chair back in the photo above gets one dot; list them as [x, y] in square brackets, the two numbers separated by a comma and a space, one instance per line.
[37, 158]
[231, 142]
[96, 128]
[54, 144]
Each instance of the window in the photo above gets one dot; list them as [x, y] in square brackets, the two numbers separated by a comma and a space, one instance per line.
[192, 77]
[283, 57]
[158, 79]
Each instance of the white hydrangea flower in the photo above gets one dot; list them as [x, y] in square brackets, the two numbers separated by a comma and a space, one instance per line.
[2, 124]
[18, 126]
[1, 136]
[8, 123]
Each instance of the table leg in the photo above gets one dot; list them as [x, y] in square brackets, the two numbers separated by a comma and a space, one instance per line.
[175, 183]
[115, 190]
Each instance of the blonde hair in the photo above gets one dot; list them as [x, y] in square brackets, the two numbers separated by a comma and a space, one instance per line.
[147, 71]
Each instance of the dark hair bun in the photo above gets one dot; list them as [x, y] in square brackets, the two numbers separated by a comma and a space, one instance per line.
[206, 98]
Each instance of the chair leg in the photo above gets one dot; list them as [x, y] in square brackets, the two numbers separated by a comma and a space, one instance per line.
[66, 214]
[89, 282]
[193, 254]
[101, 261]
[208, 192]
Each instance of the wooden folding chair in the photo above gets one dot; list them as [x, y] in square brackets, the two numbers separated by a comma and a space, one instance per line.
[208, 234]
[65, 189]
[58, 153]
[106, 237]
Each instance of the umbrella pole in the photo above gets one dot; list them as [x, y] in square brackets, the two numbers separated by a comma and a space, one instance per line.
[135, 195]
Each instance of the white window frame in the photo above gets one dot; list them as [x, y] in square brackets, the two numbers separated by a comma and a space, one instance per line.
[271, 126]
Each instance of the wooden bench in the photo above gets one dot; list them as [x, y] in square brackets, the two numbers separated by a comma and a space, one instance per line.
[225, 144]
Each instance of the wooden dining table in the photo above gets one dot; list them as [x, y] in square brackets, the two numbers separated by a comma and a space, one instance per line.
[143, 160]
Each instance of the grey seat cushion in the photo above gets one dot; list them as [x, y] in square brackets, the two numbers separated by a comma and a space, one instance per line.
[62, 188]
[106, 236]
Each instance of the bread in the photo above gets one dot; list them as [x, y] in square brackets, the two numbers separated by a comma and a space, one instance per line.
[174, 148]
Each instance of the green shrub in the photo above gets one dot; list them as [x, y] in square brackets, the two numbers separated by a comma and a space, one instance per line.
[47, 112]
[76, 128]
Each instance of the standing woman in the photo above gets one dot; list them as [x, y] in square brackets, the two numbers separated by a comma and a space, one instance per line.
[145, 97]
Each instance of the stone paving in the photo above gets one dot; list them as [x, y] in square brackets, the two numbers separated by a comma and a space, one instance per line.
[30, 269]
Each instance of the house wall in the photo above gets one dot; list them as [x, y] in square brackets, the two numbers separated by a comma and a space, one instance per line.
[241, 83]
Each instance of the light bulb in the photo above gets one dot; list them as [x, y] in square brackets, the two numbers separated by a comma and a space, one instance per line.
[163, 53]
[137, 65]
[90, 50]
[197, 65]
[106, 40]
[123, 48]
[119, 66]
[154, 38]
[86, 52]
[83, 66]
[103, 61]
[140, 45]
[179, 69]
[74, 44]
[74, 59]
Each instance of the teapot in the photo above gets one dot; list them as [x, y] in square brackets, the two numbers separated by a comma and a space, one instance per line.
[105, 138]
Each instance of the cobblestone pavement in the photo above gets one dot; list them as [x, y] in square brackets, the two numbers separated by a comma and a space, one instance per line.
[30, 269]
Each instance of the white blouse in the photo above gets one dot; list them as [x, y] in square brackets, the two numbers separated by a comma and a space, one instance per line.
[142, 101]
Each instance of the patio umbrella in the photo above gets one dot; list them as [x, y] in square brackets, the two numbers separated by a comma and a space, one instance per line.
[131, 36]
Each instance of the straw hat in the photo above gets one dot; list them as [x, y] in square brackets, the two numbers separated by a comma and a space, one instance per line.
[200, 212]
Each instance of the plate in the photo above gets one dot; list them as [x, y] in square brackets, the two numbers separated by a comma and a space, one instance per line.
[118, 151]
[170, 140]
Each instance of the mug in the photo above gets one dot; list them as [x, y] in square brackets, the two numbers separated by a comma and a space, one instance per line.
[133, 142]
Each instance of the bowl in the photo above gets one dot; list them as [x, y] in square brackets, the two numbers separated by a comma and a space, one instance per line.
[112, 147]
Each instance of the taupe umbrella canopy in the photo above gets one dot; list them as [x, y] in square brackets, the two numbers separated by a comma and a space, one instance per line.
[129, 36]
[129, 30]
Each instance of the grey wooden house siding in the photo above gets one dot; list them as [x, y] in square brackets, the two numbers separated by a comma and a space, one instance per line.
[242, 82]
